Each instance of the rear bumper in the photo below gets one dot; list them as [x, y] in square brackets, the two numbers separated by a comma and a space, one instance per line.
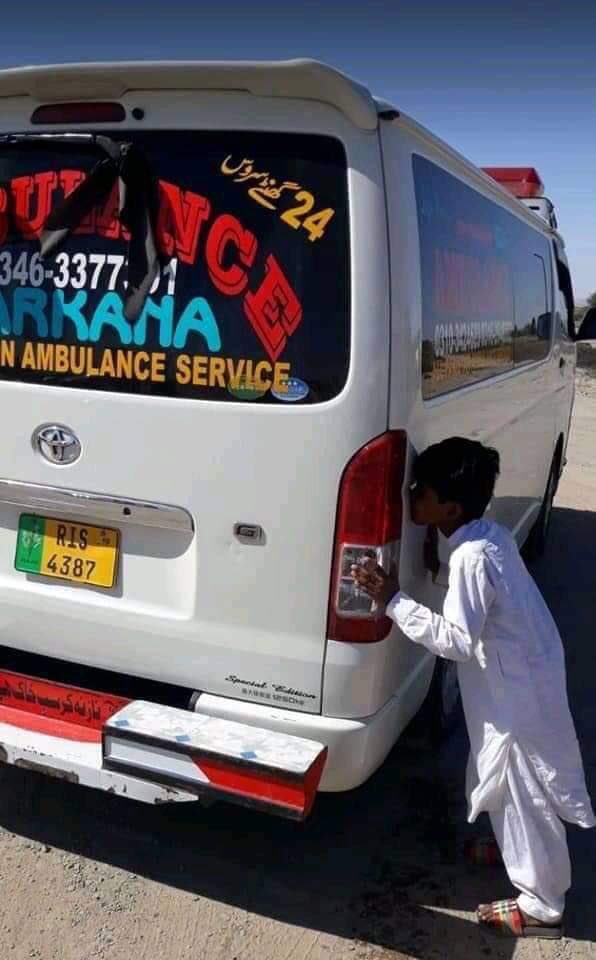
[77, 762]
[152, 752]
[251, 754]
[356, 748]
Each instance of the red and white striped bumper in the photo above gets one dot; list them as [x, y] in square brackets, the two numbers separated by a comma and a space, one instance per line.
[154, 753]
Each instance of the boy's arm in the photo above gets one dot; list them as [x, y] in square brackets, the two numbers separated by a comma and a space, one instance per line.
[453, 635]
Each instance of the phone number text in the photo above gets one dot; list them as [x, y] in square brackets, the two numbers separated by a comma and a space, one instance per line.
[78, 271]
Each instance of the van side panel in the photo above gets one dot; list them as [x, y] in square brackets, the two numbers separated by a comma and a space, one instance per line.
[515, 411]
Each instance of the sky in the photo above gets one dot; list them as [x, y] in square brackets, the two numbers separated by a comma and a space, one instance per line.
[509, 83]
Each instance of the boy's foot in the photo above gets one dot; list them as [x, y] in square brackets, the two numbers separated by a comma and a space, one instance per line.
[505, 918]
[482, 851]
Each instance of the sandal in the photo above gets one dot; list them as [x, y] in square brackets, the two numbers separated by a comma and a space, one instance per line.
[482, 851]
[507, 920]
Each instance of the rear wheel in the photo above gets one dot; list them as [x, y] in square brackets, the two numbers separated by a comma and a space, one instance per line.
[538, 539]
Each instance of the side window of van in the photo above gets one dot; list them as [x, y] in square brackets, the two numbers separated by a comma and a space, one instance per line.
[486, 289]
[533, 316]
[565, 301]
[561, 318]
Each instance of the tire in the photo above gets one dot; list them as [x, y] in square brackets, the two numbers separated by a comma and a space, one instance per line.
[538, 539]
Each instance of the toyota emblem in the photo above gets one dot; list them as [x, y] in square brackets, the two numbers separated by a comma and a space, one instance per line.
[57, 444]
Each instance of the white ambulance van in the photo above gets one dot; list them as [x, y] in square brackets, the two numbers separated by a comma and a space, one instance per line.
[235, 300]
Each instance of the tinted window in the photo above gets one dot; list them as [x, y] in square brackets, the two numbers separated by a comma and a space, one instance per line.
[252, 301]
[565, 307]
[561, 322]
[484, 295]
[533, 319]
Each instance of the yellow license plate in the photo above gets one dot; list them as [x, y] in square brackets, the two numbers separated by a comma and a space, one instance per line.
[69, 551]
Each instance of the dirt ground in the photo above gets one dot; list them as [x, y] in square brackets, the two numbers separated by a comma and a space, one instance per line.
[374, 874]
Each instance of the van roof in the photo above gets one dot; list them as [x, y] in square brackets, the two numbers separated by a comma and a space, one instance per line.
[304, 79]
[388, 111]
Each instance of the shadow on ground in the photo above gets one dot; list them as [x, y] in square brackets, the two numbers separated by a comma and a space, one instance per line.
[380, 865]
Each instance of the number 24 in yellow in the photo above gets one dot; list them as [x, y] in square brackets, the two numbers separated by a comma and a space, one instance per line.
[313, 223]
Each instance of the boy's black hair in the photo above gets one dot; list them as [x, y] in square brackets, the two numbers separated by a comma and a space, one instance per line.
[463, 471]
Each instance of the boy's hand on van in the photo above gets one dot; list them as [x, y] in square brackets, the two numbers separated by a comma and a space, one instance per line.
[381, 586]
[431, 551]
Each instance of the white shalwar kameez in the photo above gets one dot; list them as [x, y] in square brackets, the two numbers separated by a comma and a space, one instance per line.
[525, 767]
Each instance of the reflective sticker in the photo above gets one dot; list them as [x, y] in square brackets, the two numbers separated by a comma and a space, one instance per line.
[297, 390]
[247, 389]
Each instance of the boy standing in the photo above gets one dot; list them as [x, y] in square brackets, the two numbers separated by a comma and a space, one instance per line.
[525, 767]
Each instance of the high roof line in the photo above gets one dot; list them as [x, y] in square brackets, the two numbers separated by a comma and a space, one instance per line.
[301, 79]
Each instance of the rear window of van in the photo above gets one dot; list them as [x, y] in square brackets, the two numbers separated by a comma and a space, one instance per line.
[252, 298]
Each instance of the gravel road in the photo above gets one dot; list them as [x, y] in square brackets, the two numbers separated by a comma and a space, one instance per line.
[373, 874]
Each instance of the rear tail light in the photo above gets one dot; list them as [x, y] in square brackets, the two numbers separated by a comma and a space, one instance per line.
[369, 522]
[93, 112]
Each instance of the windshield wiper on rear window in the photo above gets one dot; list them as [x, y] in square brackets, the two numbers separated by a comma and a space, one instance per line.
[121, 163]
